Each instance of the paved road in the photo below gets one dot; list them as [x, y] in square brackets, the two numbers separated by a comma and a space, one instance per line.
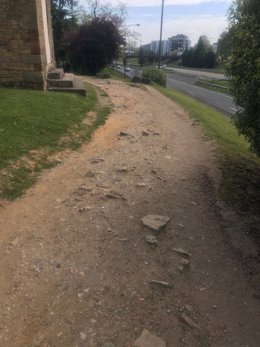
[198, 73]
[219, 101]
[185, 83]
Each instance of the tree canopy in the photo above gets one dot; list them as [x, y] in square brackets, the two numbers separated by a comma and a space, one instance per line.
[243, 67]
[95, 45]
[201, 56]
[64, 20]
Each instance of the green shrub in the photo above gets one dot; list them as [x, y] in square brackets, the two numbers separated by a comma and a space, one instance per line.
[154, 75]
[103, 74]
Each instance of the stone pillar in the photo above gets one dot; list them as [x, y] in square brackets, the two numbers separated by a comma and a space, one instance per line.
[23, 62]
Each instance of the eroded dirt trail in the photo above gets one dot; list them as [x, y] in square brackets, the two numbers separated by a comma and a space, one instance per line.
[75, 266]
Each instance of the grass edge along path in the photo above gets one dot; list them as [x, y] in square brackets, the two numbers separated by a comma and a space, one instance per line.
[240, 169]
[22, 119]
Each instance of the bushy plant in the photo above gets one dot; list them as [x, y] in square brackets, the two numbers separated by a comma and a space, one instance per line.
[154, 75]
[103, 74]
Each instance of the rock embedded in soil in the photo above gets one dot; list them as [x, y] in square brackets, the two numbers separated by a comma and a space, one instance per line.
[152, 240]
[160, 283]
[155, 222]
[185, 263]
[148, 339]
[181, 251]
[188, 321]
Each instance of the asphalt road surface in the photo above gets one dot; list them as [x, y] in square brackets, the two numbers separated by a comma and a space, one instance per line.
[217, 100]
[200, 73]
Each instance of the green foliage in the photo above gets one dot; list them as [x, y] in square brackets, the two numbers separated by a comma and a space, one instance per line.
[103, 74]
[141, 57]
[95, 45]
[154, 75]
[224, 46]
[243, 68]
[64, 20]
[202, 56]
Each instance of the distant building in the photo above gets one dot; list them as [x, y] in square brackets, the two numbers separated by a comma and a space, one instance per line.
[175, 44]
[179, 43]
[155, 46]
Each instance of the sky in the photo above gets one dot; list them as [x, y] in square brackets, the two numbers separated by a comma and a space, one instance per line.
[191, 17]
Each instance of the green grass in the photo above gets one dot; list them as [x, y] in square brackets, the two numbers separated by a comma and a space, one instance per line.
[240, 168]
[34, 125]
[115, 74]
[216, 85]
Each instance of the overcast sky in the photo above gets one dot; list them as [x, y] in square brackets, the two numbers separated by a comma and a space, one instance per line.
[190, 17]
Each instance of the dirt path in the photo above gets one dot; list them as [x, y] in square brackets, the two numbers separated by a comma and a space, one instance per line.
[75, 266]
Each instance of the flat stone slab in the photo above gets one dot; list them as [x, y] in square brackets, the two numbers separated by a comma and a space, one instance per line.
[148, 339]
[155, 221]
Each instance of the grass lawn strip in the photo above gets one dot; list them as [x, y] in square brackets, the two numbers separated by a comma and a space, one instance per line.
[34, 125]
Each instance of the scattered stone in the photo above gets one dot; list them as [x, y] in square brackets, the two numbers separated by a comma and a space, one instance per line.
[152, 240]
[82, 190]
[145, 133]
[148, 339]
[180, 268]
[96, 160]
[188, 321]
[15, 242]
[122, 170]
[141, 185]
[193, 203]
[188, 308]
[90, 174]
[160, 283]
[155, 222]
[114, 195]
[108, 344]
[181, 251]
[83, 336]
[185, 263]
[124, 133]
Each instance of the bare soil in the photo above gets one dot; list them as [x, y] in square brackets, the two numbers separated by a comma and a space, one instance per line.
[75, 266]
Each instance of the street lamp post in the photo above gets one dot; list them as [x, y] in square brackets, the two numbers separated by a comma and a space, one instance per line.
[125, 55]
[160, 42]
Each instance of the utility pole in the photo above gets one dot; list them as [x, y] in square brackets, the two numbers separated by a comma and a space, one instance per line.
[160, 42]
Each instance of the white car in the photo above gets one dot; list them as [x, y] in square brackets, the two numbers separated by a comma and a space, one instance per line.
[128, 69]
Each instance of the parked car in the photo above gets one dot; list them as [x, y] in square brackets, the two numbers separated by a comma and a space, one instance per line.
[128, 69]
[118, 67]
[164, 66]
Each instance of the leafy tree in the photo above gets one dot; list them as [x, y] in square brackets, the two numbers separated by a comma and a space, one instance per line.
[105, 10]
[243, 68]
[224, 45]
[210, 59]
[150, 56]
[200, 56]
[64, 20]
[199, 53]
[141, 57]
[95, 45]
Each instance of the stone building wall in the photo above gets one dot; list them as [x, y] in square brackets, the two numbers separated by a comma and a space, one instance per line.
[23, 53]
